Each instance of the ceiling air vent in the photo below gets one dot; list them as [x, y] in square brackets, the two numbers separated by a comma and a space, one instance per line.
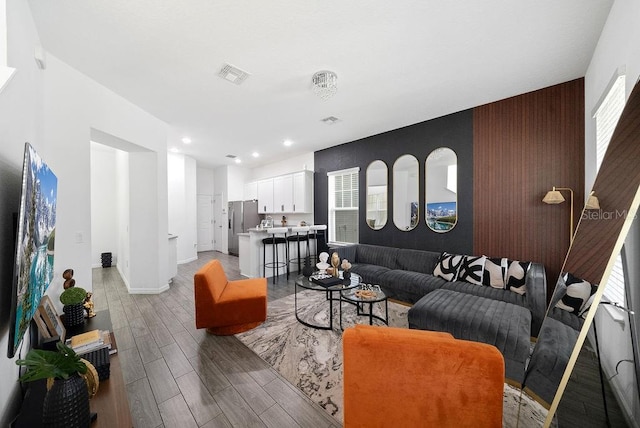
[330, 120]
[231, 156]
[233, 74]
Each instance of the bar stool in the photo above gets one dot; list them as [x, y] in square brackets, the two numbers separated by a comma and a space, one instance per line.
[315, 231]
[301, 235]
[274, 241]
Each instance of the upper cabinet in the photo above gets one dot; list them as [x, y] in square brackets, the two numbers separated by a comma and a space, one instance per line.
[286, 194]
[283, 194]
[302, 192]
[265, 196]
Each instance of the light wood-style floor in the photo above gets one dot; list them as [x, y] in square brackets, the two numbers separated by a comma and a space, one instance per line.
[178, 376]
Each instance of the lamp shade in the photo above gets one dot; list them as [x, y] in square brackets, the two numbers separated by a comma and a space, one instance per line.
[592, 202]
[553, 197]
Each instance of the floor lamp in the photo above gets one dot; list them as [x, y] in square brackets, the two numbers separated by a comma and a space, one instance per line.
[554, 197]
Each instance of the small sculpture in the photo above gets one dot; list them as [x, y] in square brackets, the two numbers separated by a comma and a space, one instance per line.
[68, 278]
[346, 266]
[88, 305]
[335, 262]
[323, 265]
[284, 220]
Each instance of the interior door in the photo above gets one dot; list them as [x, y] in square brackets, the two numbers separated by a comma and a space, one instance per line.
[218, 224]
[205, 222]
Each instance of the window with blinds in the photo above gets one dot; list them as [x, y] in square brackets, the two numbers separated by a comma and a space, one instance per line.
[343, 206]
[606, 118]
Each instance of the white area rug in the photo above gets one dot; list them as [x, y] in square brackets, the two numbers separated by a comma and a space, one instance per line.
[311, 359]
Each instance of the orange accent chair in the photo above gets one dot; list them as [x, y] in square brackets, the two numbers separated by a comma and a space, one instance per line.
[396, 377]
[226, 307]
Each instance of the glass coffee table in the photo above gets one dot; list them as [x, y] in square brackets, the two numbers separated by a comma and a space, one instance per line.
[332, 294]
[376, 295]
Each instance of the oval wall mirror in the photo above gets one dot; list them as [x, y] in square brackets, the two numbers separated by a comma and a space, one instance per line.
[377, 173]
[405, 193]
[441, 189]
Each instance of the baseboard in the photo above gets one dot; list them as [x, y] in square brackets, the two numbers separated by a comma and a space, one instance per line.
[148, 291]
[189, 260]
[124, 278]
[99, 265]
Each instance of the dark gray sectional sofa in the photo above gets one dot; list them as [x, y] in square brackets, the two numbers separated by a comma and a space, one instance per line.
[407, 275]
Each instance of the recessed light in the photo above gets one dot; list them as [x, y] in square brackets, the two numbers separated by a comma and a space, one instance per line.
[287, 143]
[175, 150]
[186, 140]
[238, 160]
[255, 154]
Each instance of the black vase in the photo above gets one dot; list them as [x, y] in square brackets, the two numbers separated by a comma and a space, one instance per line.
[307, 269]
[73, 314]
[66, 404]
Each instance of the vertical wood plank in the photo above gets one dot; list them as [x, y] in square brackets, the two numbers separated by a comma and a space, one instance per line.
[522, 147]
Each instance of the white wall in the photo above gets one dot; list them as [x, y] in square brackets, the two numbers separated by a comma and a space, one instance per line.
[122, 185]
[182, 199]
[20, 121]
[286, 166]
[618, 47]
[236, 177]
[104, 203]
[55, 109]
[204, 181]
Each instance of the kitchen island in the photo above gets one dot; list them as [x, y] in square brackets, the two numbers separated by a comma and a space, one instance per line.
[251, 253]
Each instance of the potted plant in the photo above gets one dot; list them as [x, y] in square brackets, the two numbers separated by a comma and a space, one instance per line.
[66, 403]
[73, 301]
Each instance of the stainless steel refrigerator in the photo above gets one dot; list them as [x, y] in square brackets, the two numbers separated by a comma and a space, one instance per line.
[243, 215]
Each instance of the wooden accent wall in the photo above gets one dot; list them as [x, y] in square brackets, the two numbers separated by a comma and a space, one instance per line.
[522, 146]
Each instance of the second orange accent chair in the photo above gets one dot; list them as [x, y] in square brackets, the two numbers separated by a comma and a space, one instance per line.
[226, 307]
[397, 377]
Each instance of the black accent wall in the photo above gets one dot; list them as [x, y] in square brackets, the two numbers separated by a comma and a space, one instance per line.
[454, 131]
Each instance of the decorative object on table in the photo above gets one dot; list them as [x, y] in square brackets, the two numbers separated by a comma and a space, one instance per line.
[284, 220]
[325, 280]
[66, 403]
[335, 262]
[73, 301]
[307, 269]
[323, 265]
[68, 278]
[88, 306]
[99, 358]
[346, 269]
[303, 223]
[49, 323]
[92, 378]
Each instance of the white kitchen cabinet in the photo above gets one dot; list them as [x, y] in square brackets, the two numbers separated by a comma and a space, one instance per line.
[283, 194]
[302, 192]
[265, 196]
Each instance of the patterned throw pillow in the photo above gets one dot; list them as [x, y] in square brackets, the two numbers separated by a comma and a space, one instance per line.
[447, 267]
[471, 269]
[495, 270]
[579, 295]
[516, 279]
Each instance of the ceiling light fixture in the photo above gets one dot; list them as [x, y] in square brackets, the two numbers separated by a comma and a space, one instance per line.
[325, 84]
[287, 143]
[186, 140]
[174, 150]
[238, 160]
[255, 154]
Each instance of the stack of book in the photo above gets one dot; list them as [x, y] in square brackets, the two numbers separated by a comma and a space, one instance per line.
[91, 341]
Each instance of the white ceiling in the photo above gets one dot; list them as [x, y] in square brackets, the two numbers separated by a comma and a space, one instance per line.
[398, 62]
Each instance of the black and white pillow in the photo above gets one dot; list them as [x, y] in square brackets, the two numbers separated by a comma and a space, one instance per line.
[471, 269]
[447, 267]
[495, 270]
[516, 279]
[579, 295]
